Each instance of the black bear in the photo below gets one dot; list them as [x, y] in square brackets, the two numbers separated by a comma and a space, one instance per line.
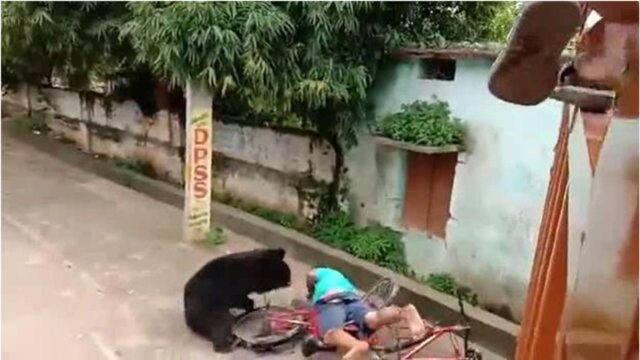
[225, 283]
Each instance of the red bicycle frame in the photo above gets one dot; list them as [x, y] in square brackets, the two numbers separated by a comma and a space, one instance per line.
[437, 332]
[283, 320]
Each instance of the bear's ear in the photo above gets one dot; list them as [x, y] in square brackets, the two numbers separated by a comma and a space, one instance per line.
[273, 254]
[278, 253]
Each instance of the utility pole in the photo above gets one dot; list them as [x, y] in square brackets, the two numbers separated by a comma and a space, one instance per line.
[198, 162]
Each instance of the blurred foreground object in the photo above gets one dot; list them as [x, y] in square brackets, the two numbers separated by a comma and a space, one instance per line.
[583, 293]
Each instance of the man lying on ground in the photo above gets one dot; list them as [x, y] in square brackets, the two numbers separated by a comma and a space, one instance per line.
[337, 303]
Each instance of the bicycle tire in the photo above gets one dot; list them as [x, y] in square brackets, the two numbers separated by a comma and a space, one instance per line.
[382, 293]
[242, 330]
[473, 354]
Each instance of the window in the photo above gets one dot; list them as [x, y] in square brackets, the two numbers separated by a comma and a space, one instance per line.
[428, 192]
[438, 69]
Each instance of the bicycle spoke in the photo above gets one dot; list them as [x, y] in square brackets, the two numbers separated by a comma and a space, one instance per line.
[454, 345]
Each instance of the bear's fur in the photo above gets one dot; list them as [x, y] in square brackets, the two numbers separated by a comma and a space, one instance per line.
[225, 283]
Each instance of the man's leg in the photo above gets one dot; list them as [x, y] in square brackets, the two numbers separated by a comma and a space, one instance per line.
[352, 348]
[332, 318]
[393, 314]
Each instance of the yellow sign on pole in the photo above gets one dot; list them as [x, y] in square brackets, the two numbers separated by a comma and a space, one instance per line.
[198, 164]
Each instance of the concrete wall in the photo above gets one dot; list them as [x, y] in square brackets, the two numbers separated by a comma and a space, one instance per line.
[259, 165]
[269, 167]
[499, 186]
[117, 130]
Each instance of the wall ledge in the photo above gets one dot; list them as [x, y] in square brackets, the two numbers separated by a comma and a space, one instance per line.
[385, 141]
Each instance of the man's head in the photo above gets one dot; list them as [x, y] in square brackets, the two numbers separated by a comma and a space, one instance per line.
[311, 282]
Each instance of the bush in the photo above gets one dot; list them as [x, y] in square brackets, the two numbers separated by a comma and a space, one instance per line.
[38, 124]
[380, 245]
[447, 284]
[377, 244]
[335, 229]
[278, 217]
[423, 123]
[137, 166]
[215, 236]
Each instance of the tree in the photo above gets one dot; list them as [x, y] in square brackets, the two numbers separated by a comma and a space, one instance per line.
[313, 61]
[308, 61]
[436, 23]
[279, 59]
[232, 47]
[73, 40]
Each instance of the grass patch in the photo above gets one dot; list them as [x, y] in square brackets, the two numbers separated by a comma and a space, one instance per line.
[35, 123]
[39, 127]
[377, 244]
[136, 165]
[215, 236]
[446, 283]
[278, 217]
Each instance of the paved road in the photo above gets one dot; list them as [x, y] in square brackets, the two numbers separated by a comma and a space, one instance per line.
[94, 270]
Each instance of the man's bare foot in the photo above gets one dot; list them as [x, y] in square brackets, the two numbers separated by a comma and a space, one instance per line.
[358, 352]
[414, 321]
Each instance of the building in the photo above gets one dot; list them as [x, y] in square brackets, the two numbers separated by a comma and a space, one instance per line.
[475, 213]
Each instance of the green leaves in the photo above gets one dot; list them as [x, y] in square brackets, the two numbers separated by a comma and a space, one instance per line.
[377, 244]
[309, 61]
[40, 17]
[76, 41]
[381, 246]
[228, 45]
[215, 236]
[423, 123]
[446, 283]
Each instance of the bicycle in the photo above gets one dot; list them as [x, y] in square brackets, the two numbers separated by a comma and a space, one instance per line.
[466, 353]
[268, 327]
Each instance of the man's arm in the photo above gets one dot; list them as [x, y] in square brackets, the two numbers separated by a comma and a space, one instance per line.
[311, 283]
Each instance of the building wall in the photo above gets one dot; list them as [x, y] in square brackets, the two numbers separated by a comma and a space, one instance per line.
[499, 186]
[258, 165]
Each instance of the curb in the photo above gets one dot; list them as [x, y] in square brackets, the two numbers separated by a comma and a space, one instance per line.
[488, 330]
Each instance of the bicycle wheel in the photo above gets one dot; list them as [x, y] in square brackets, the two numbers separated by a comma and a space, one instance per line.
[382, 293]
[473, 354]
[395, 344]
[255, 329]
